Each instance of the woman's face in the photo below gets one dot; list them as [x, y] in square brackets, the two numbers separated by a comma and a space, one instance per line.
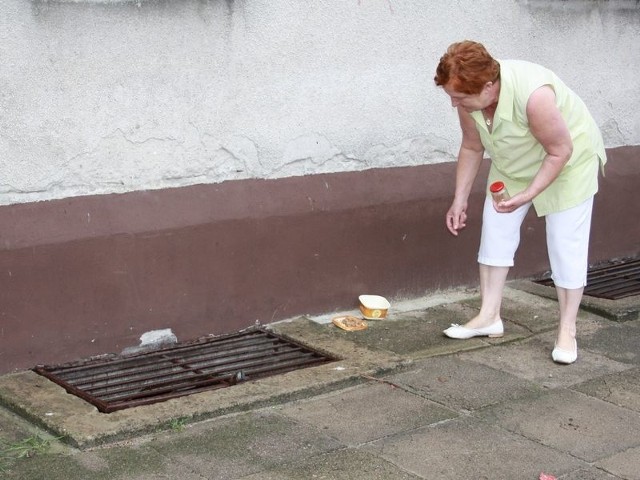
[471, 103]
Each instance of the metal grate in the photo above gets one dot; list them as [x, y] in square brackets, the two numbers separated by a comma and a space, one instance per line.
[211, 363]
[613, 281]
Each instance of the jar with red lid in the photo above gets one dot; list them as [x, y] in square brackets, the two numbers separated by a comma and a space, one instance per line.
[499, 192]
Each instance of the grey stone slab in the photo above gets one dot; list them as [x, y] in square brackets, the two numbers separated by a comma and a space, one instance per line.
[17, 437]
[530, 359]
[538, 315]
[349, 464]
[590, 473]
[367, 413]
[419, 334]
[534, 313]
[235, 446]
[618, 341]
[457, 383]
[620, 310]
[130, 462]
[466, 448]
[225, 448]
[622, 389]
[13, 428]
[582, 426]
[624, 464]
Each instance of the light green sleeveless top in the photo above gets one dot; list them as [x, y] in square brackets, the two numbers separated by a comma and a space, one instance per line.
[516, 155]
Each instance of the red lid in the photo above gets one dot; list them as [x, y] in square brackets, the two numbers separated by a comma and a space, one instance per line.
[496, 187]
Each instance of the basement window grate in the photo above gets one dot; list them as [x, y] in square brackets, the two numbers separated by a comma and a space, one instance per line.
[211, 363]
[612, 281]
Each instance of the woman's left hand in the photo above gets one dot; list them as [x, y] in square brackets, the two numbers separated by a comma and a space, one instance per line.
[508, 206]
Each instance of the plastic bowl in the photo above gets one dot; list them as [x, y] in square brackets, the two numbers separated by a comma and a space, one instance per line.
[373, 307]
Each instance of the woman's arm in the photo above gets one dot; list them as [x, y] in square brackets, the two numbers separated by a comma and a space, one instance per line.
[548, 126]
[469, 160]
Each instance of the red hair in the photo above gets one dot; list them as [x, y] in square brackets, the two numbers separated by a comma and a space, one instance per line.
[466, 67]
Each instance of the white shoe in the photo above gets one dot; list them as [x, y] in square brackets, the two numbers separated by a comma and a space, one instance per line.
[564, 356]
[495, 330]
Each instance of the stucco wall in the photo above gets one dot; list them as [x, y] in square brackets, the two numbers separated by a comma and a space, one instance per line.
[114, 96]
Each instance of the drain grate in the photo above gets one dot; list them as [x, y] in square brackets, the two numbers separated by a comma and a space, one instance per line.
[613, 281]
[211, 363]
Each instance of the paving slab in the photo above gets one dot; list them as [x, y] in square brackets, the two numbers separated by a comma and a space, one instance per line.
[621, 310]
[366, 413]
[530, 359]
[401, 307]
[348, 464]
[590, 473]
[531, 312]
[568, 421]
[228, 448]
[624, 464]
[466, 448]
[12, 427]
[454, 382]
[129, 462]
[19, 438]
[419, 334]
[620, 342]
[621, 389]
[224, 448]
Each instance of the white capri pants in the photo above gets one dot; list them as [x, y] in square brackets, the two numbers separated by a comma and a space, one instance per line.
[567, 240]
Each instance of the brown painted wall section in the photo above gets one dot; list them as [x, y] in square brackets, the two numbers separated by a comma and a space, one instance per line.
[88, 275]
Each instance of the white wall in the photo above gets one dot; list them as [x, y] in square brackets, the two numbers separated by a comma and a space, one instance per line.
[104, 96]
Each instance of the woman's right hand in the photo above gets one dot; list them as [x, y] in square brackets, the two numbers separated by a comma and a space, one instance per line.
[456, 218]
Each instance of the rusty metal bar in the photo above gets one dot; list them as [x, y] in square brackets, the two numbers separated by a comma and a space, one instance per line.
[215, 343]
[612, 282]
[211, 363]
[159, 382]
[250, 373]
[171, 367]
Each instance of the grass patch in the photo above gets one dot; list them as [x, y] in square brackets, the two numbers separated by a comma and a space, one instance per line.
[29, 447]
[177, 424]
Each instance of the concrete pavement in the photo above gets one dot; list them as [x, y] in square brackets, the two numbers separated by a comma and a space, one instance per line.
[404, 402]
